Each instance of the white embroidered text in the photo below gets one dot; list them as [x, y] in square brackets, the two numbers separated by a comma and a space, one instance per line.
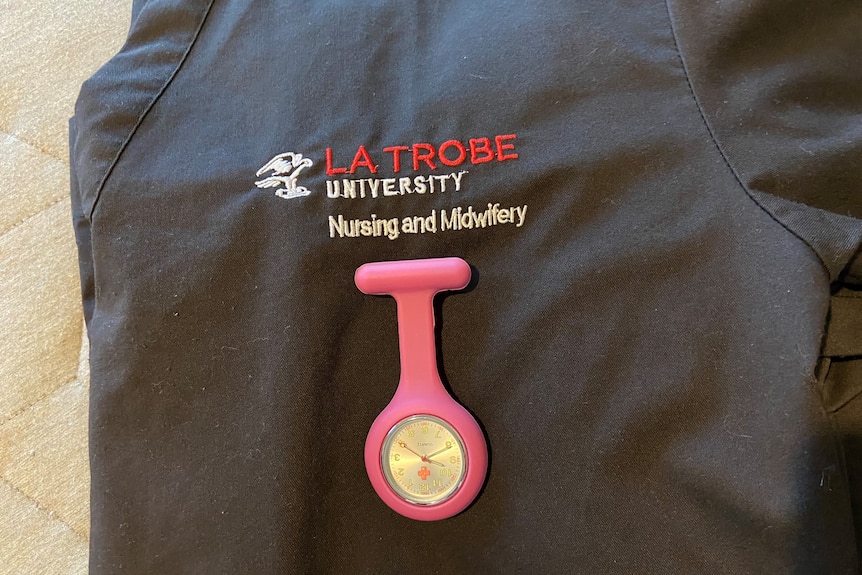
[454, 219]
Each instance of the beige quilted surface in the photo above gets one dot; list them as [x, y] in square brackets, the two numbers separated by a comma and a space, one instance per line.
[47, 48]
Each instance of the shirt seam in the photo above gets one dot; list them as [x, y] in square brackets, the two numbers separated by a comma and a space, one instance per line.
[721, 151]
[146, 112]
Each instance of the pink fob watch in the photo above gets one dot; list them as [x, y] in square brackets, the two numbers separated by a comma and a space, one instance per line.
[425, 454]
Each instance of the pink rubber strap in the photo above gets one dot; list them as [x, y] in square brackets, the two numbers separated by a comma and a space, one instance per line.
[413, 284]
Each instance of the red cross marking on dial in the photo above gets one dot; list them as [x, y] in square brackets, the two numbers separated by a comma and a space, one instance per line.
[423, 473]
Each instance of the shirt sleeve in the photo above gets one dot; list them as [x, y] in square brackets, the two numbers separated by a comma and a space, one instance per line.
[780, 86]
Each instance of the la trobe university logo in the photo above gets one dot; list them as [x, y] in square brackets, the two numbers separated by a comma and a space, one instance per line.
[284, 169]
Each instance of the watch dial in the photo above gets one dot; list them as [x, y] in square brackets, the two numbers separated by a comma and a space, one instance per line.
[423, 459]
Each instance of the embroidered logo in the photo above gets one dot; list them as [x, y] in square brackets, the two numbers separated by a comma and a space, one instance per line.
[378, 177]
[285, 170]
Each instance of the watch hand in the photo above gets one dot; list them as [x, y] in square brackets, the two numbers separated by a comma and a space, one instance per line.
[433, 462]
[403, 445]
[439, 451]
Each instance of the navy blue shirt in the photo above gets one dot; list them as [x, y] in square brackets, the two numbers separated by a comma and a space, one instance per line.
[661, 202]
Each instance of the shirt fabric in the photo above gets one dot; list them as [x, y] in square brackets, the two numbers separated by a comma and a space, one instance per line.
[660, 201]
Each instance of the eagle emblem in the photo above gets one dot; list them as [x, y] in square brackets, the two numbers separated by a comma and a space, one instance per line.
[285, 169]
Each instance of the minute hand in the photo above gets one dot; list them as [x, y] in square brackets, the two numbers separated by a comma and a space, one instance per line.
[438, 452]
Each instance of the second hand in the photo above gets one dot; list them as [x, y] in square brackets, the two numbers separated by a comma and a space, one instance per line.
[403, 445]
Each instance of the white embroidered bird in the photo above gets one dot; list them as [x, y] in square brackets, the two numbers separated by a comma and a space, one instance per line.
[285, 169]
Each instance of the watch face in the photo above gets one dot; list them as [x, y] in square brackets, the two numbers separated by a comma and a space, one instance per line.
[423, 459]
